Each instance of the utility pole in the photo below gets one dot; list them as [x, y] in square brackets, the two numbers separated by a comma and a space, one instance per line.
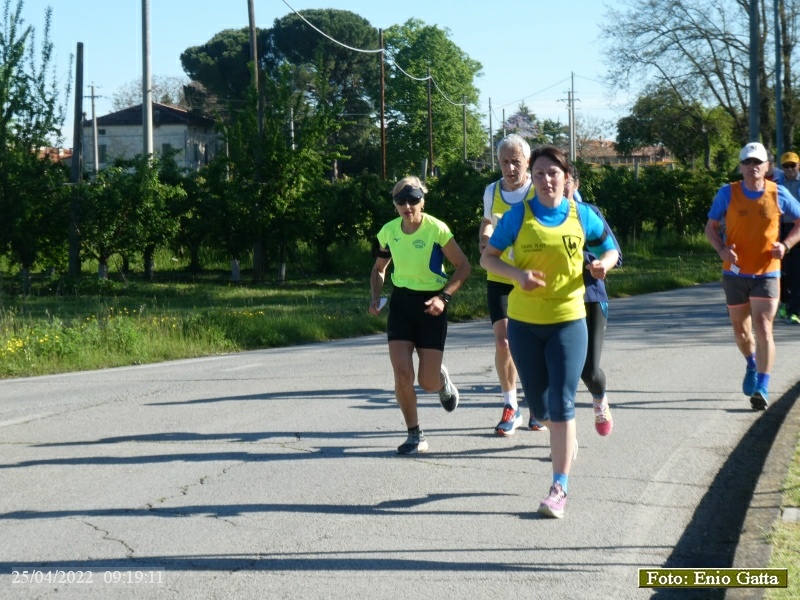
[258, 245]
[755, 99]
[74, 256]
[778, 88]
[491, 134]
[96, 159]
[383, 107]
[251, 13]
[147, 91]
[430, 123]
[464, 113]
[572, 124]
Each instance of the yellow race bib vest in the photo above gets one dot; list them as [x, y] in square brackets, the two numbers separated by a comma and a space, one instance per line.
[499, 208]
[558, 253]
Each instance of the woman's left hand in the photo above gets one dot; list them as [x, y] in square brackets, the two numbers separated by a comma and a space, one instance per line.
[597, 269]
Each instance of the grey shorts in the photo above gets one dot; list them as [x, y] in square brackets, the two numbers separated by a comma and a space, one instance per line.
[739, 290]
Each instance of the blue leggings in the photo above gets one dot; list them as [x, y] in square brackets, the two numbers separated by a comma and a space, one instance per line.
[549, 360]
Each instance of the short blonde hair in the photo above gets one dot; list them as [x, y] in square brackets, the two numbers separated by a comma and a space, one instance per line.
[411, 180]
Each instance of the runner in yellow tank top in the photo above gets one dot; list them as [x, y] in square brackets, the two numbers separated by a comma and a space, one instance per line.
[516, 186]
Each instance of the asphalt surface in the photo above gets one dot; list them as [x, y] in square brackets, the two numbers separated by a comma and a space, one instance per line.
[273, 474]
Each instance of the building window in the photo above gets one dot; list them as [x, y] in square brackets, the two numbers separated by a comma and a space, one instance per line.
[102, 152]
[165, 148]
[101, 132]
[196, 153]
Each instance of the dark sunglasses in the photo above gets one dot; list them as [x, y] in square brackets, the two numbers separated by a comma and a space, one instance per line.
[409, 201]
[789, 165]
[752, 161]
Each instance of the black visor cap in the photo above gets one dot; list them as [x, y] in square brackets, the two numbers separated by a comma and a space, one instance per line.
[409, 191]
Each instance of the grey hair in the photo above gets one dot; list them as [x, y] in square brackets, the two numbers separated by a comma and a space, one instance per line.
[514, 140]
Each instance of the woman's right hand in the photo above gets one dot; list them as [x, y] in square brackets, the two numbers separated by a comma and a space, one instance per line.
[530, 280]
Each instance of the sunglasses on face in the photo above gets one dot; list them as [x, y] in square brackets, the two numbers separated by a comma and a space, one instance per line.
[789, 165]
[409, 201]
[752, 161]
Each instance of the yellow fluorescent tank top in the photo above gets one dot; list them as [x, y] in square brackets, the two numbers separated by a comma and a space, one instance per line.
[558, 253]
[499, 208]
[418, 257]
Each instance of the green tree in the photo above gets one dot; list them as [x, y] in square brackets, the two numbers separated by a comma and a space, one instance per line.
[555, 132]
[127, 210]
[274, 172]
[221, 64]
[30, 119]
[416, 48]
[334, 75]
[661, 117]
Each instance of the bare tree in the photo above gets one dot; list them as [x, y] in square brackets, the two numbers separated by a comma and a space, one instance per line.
[167, 89]
[700, 49]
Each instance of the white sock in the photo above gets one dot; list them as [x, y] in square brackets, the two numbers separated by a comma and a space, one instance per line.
[510, 398]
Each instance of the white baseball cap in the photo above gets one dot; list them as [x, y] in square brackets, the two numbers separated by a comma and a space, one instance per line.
[754, 150]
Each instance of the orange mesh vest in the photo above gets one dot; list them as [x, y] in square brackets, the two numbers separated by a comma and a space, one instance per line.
[752, 226]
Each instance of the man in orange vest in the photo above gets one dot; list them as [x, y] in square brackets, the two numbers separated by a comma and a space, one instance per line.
[751, 256]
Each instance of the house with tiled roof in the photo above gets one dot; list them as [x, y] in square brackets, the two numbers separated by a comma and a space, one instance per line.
[119, 135]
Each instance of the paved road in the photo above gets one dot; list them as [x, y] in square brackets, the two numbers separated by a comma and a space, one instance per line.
[273, 474]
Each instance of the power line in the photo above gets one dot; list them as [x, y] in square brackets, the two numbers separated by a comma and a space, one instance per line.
[393, 60]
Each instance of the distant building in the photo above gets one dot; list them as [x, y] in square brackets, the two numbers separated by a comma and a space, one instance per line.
[119, 135]
[604, 152]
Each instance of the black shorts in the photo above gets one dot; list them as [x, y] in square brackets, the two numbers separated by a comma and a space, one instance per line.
[497, 299]
[409, 322]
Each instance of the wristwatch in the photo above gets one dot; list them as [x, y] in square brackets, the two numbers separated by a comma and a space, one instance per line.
[445, 297]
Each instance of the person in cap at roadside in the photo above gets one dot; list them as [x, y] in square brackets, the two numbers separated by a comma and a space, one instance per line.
[774, 173]
[417, 244]
[516, 185]
[789, 308]
[751, 254]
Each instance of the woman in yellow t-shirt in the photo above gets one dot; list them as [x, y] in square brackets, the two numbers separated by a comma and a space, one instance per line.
[417, 243]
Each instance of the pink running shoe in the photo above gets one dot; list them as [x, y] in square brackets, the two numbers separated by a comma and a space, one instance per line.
[553, 506]
[603, 422]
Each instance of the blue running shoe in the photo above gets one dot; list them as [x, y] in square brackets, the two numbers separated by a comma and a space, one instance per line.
[510, 421]
[760, 399]
[750, 382]
[534, 425]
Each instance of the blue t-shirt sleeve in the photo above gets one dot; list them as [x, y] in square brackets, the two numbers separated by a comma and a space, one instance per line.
[508, 227]
[595, 227]
[608, 231]
[788, 204]
[720, 204]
